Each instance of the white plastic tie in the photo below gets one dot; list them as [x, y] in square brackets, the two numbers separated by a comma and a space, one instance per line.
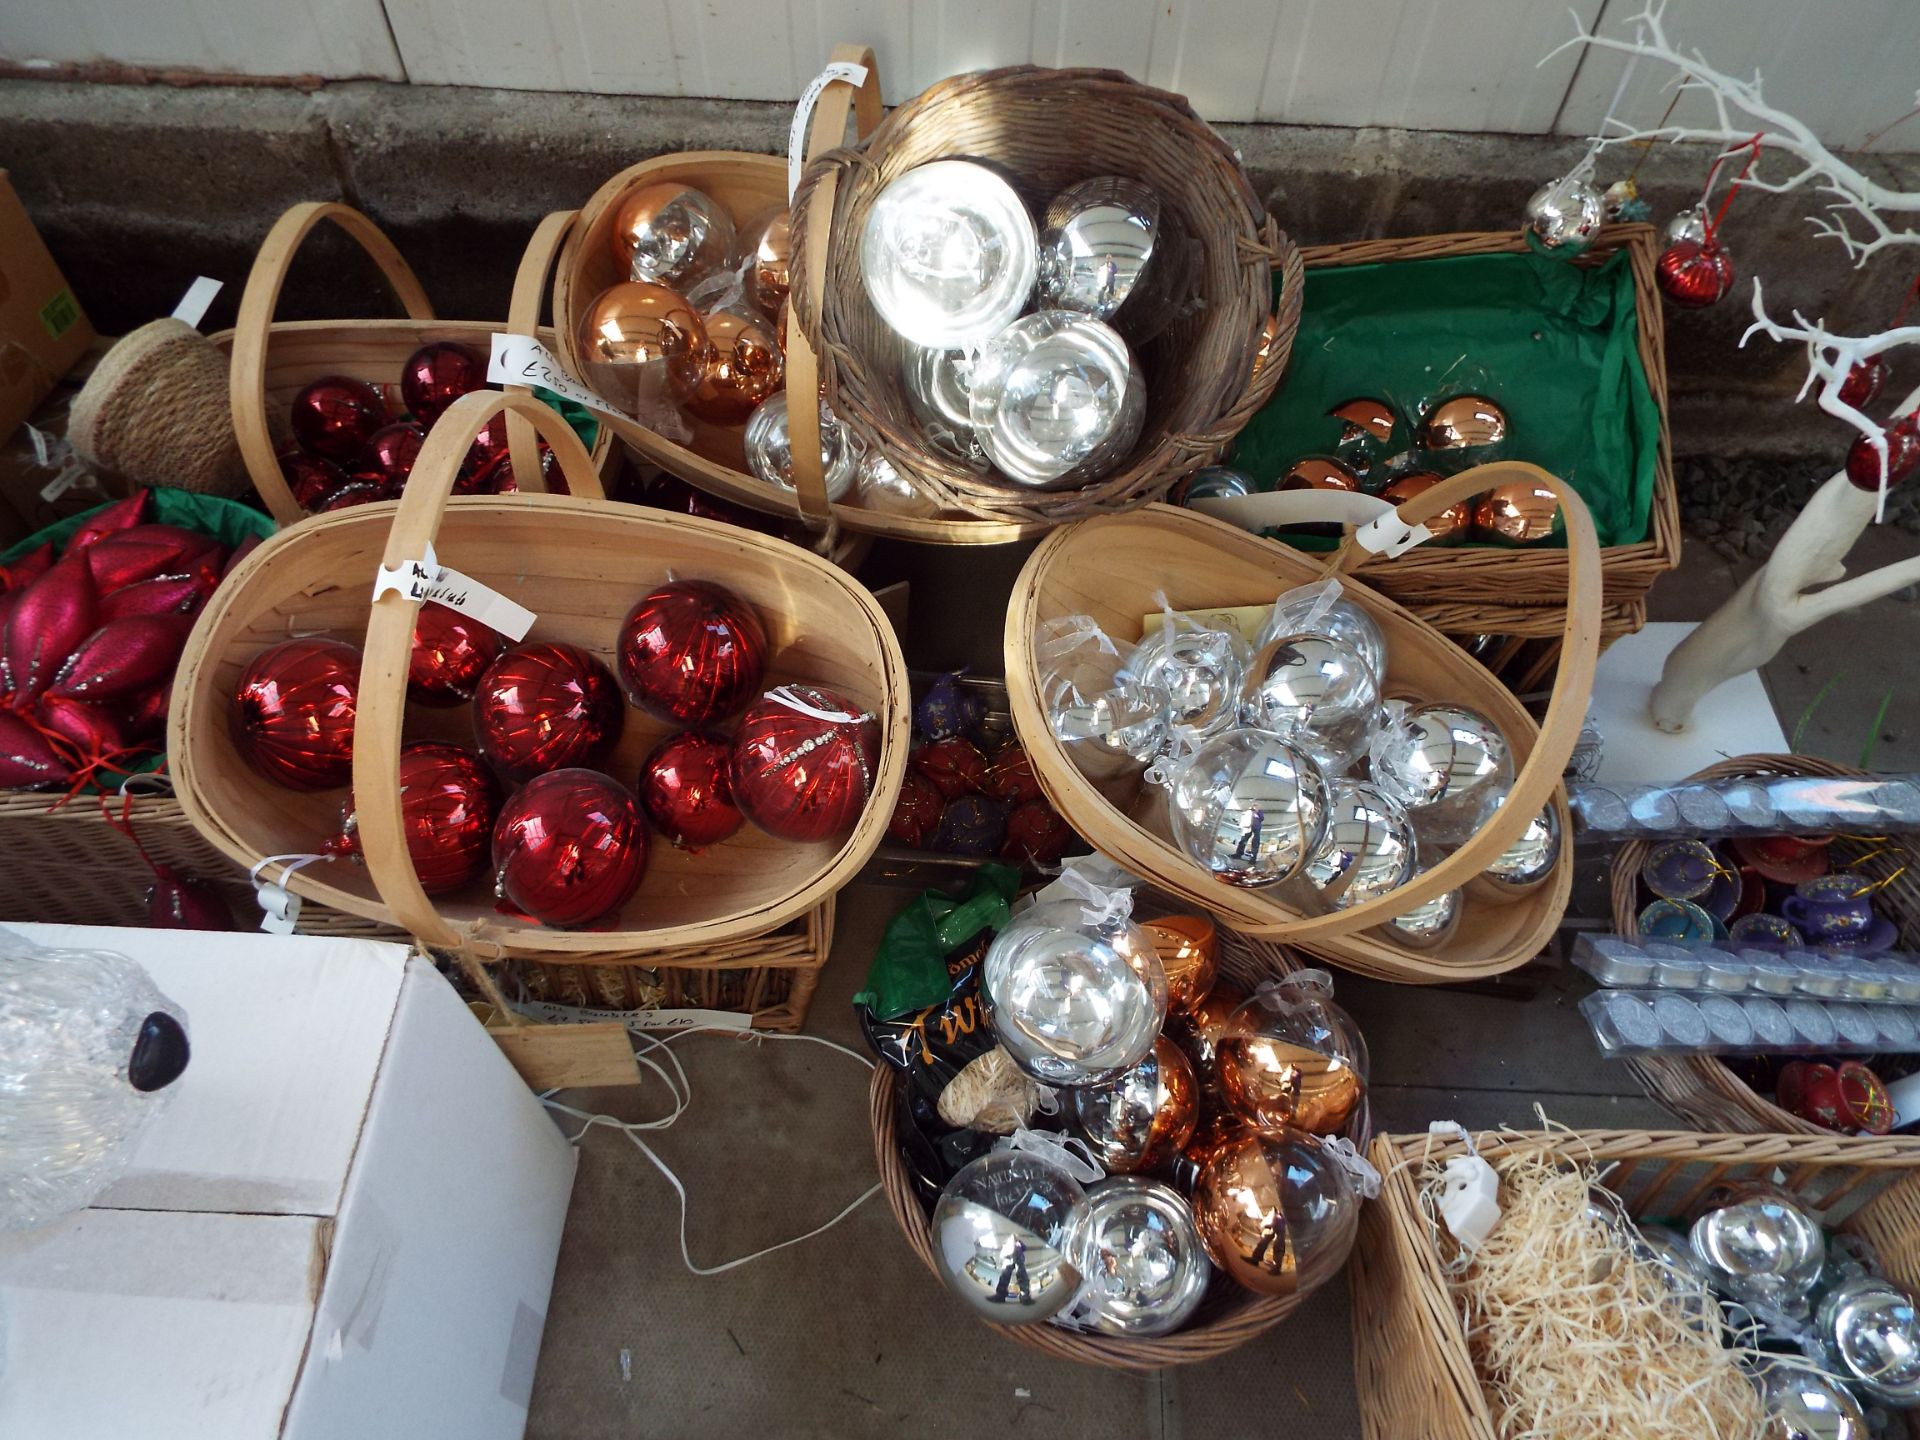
[280, 907]
[1069, 1152]
[1390, 535]
[1101, 901]
[1359, 1169]
[1326, 594]
[786, 695]
[852, 74]
[409, 577]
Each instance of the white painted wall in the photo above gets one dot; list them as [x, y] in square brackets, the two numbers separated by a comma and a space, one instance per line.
[1844, 65]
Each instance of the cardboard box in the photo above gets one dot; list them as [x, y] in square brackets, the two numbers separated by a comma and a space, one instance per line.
[345, 1224]
[43, 330]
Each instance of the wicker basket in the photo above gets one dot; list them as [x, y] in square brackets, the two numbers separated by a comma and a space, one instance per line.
[578, 564]
[1700, 1089]
[1114, 568]
[272, 361]
[1227, 1318]
[1415, 1378]
[1208, 374]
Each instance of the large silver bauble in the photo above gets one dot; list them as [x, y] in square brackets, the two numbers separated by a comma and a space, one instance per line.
[1762, 1248]
[1525, 865]
[1293, 614]
[1428, 925]
[1316, 692]
[1564, 216]
[1872, 1329]
[948, 254]
[1450, 766]
[770, 448]
[1800, 1405]
[1074, 1004]
[1000, 1232]
[1057, 400]
[1128, 720]
[1249, 807]
[1145, 1265]
[936, 383]
[1107, 251]
[1199, 671]
[1368, 851]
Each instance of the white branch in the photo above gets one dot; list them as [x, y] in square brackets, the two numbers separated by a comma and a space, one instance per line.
[1851, 594]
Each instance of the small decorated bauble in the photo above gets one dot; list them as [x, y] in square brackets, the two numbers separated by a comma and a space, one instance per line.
[1369, 850]
[1110, 249]
[1010, 776]
[642, 346]
[570, 847]
[1865, 380]
[767, 248]
[803, 763]
[999, 1233]
[692, 652]
[770, 449]
[1519, 512]
[671, 234]
[949, 707]
[1694, 274]
[916, 812]
[686, 790]
[1564, 216]
[1451, 525]
[1277, 1213]
[953, 766]
[1903, 454]
[1448, 765]
[1315, 693]
[1249, 807]
[1212, 482]
[1525, 865]
[312, 480]
[1428, 925]
[1290, 1057]
[1464, 422]
[1200, 672]
[436, 375]
[744, 365]
[948, 254]
[971, 825]
[1143, 1117]
[1186, 945]
[1037, 834]
[390, 453]
[1689, 227]
[448, 804]
[1305, 611]
[1145, 1264]
[335, 416]
[291, 716]
[451, 652]
[547, 706]
[1623, 204]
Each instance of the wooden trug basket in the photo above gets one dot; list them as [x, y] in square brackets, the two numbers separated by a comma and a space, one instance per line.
[1700, 1089]
[1412, 1368]
[1115, 567]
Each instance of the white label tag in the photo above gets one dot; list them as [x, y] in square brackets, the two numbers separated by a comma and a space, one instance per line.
[193, 305]
[547, 1011]
[523, 360]
[428, 581]
[803, 115]
[42, 446]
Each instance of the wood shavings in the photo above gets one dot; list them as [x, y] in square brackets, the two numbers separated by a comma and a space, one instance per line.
[991, 1095]
[1575, 1335]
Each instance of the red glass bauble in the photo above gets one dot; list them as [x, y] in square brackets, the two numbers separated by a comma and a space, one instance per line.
[669, 492]
[389, 456]
[496, 477]
[1694, 274]
[291, 715]
[954, 765]
[1036, 835]
[685, 790]
[489, 444]
[312, 480]
[451, 652]
[803, 763]
[1865, 380]
[570, 847]
[448, 803]
[437, 375]
[335, 416]
[1903, 453]
[692, 652]
[916, 812]
[357, 492]
[1010, 776]
[545, 707]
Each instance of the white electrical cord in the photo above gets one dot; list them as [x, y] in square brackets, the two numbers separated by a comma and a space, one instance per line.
[682, 1091]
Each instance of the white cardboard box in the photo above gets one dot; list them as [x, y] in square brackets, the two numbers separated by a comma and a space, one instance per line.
[344, 1227]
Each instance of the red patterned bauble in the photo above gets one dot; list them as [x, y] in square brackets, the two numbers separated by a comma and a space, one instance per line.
[1903, 453]
[45, 624]
[312, 480]
[1694, 274]
[954, 765]
[437, 375]
[1010, 776]
[1865, 380]
[357, 492]
[917, 812]
[692, 652]
[686, 792]
[803, 763]
[448, 803]
[389, 456]
[570, 847]
[335, 416]
[180, 902]
[547, 706]
[451, 652]
[1036, 835]
[291, 716]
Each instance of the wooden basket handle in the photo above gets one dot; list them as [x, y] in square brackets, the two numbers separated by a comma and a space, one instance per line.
[828, 132]
[247, 372]
[523, 318]
[383, 668]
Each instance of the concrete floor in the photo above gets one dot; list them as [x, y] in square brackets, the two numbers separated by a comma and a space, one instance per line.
[846, 1336]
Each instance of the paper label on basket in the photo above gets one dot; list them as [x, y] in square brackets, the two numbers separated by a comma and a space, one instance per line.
[549, 1013]
[1293, 507]
[846, 70]
[1244, 620]
[523, 360]
[427, 580]
[193, 305]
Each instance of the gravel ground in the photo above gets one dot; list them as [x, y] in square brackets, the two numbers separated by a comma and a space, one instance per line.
[1741, 507]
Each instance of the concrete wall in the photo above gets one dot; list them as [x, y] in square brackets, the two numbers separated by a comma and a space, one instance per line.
[140, 188]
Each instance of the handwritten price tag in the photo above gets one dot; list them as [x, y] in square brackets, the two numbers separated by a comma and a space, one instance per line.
[427, 580]
[523, 360]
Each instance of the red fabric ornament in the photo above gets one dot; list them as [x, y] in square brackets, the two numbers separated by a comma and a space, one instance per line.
[451, 652]
[448, 804]
[685, 790]
[145, 713]
[692, 652]
[1010, 776]
[29, 567]
[140, 554]
[179, 902]
[121, 515]
[312, 480]
[917, 811]
[570, 847]
[1694, 274]
[51, 617]
[162, 595]
[291, 716]
[1036, 835]
[122, 657]
[357, 492]
[547, 706]
[239, 552]
[1865, 380]
[335, 416]
[954, 765]
[28, 759]
[803, 763]
[1903, 453]
[390, 453]
[96, 731]
[437, 375]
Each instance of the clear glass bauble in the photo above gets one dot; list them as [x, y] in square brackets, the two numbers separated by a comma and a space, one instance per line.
[1249, 807]
[948, 254]
[1140, 1252]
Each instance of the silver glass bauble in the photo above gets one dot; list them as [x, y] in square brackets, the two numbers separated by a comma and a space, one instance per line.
[1249, 807]
[1299, 611]
[1056, 399]
[1428, 925]
[1801, 1405]
[1073, 1003]
[1368, 851]
[1564, 216]
[673, 234]
[1689, 226]
[769, 446]
[1106, 250]
[1000, 1231]
[948, 254]
[1129, 720]
[1199, 671]
[1871, 1328]
[1450, 766]
[1142, 1118]
[878, 486]
[1145, 1266]
[1763, 1247]
[1212, 482]
[1525, 865]
[936, 382]
[1316, 692]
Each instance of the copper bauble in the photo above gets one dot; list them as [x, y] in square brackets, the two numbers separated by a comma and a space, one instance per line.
[1144, 1117]
[1451, 525]
[1269, 337]
[1198, 1030]
[1318, 472]
[1272, 1078]
[1520, 512]
[671, 234]
[1364, 417]
[642, 345]
[1466, 422]
[1277, 1213]
[1185, 945]
[745, 363]
[768, 248]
